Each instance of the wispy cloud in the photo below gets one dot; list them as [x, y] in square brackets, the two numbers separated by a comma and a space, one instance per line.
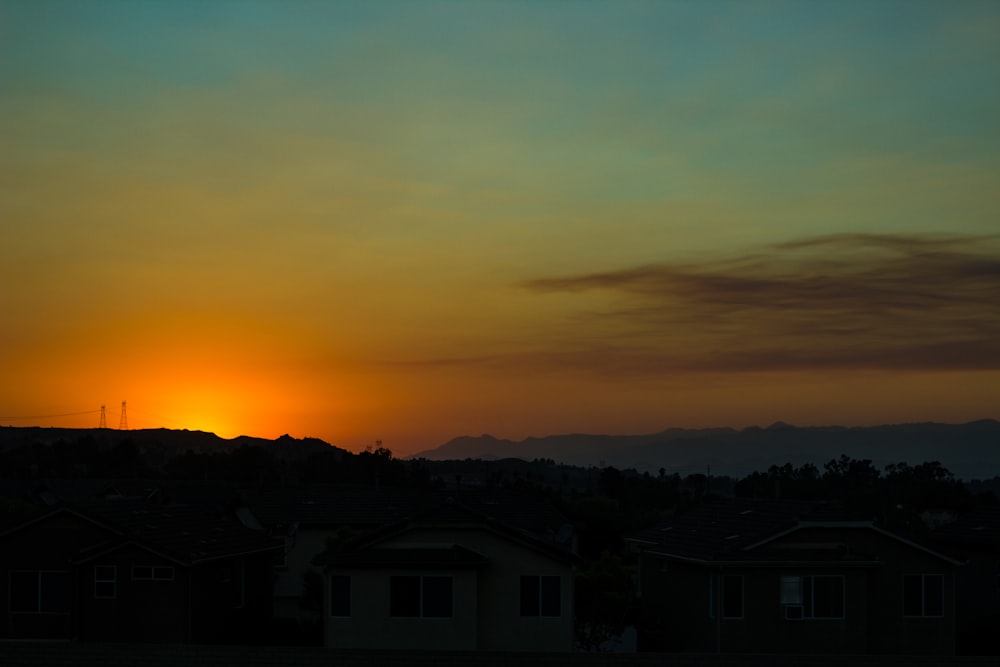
[841, 301]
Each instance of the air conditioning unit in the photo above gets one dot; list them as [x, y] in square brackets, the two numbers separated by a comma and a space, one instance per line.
[793, 612]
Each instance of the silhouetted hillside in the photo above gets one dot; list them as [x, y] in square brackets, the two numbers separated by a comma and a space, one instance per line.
[156, 446]
[970, 451]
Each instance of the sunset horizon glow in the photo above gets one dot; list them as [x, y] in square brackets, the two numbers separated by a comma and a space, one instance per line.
[412, 221]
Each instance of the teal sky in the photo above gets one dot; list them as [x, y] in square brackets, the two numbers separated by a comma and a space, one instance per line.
[395, 216]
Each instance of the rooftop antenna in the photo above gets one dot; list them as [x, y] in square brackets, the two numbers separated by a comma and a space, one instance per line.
[123, 422]
[104, 420]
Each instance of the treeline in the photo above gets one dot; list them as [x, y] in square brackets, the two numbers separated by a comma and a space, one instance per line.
[252, 464]
[897, 497]
[605, 504]
[86, 458]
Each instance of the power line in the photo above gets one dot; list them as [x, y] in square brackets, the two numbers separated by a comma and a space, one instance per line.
[64, 414]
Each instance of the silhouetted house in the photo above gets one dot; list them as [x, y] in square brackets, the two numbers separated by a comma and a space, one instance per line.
[305, 519]
[119, 570]
[452, 577]
[309, 518]
[975, 539]
[744, 576]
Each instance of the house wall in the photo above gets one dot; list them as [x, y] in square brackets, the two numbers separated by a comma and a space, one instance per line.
[977, 599]
[44, 545]
[675, 603]
[889, 630]
[231, 599]
[370, 625]
[764, 627]
[288, 581]
[487, 600]
[680, 617]
[142, 610]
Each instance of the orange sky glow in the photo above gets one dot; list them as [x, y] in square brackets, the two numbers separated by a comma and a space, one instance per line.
[412, 221]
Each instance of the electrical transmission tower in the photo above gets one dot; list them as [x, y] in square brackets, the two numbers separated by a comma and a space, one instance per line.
[123, 422]
[104, 420]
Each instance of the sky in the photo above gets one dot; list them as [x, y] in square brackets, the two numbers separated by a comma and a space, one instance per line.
[410, 221]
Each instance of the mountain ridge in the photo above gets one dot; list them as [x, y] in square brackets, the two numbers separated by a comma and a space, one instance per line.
[169, 442]
[970, 450]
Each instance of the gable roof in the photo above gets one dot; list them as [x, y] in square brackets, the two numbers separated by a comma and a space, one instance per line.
[854, 524]
[178, 533]
[449, 514]
[42, 516]
[740, 530]
[184, 533]
[451, 557]
[722, 526]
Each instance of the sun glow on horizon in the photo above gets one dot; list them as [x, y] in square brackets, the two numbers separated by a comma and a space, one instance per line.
[273, 225]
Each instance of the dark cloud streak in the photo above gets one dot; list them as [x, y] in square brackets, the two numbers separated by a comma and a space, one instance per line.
[844, 301]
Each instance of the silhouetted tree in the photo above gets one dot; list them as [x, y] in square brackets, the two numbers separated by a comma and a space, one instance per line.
[605, 599]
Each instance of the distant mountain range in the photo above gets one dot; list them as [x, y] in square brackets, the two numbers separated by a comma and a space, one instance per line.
[970, 451]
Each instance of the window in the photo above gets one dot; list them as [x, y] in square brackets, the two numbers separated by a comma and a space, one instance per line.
[732, 596]
[923, 595]
[340, 595]
[281, 559]
[233, 577]
[817, 597]
[39, 592]
[541, 595]
[152, 573]
[105, 581]
[427, 597]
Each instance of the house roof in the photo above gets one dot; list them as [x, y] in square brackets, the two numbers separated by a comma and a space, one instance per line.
[730, 530]
[449, 513]
[179, 533]
[368, 506]
[978, 528]
[187, 533]
[332, 505]
[721, 527]
[454, 556]
[520, 508]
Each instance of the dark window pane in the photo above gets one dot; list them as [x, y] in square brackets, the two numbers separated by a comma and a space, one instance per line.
[24, 591]
[732, 596]
[933, 595]
[913, 595]
[437, 597]
[529, 596]
[340, 595]
[791, 590]
[56, 591]
[828, 597]
[550, 596]
[404, 596]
